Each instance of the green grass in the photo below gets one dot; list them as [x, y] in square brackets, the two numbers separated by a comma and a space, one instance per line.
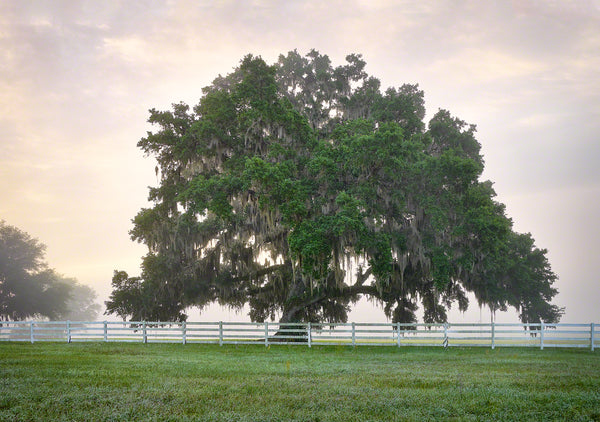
[162, 382]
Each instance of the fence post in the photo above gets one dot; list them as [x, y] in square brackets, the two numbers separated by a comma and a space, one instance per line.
[353, 334]
[31, 331]
[309, 335]
[542, 335]
[398, 333]
[592, 328]
[493, 336]
[220, 333]
[445, 343]
[105, 331]
[145, 334]
[266, 333]
[184, 334]
[68, 331]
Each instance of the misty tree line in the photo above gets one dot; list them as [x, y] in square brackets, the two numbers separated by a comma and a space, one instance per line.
[30, 289]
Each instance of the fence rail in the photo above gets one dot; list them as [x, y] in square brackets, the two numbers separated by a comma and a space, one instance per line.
[309, 334]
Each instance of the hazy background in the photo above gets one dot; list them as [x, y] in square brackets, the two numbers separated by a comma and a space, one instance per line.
[78, 77]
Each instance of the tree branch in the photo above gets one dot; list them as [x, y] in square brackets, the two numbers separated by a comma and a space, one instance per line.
[362, 277]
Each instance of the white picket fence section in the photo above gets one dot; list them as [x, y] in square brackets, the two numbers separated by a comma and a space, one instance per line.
[355, 334]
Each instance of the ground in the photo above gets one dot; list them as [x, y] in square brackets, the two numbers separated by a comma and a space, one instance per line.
[162, 382]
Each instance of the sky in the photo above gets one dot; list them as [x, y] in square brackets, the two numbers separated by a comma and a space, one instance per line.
[77, 79]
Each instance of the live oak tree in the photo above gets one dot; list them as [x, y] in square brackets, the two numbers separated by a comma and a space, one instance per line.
[29, 289]
[299, 187]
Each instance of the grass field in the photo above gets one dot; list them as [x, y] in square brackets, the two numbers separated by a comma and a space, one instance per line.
[172, 382]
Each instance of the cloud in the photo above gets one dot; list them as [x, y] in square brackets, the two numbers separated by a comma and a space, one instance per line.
[483, 65]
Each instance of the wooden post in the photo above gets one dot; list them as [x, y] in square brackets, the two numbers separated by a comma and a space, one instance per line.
[542, 335]
[493, 336]
[220, 333]
[309, 335]
[592, 329]
[31, 331]
[184, 332]
[266, 333]
[398, 333]
[445, 343]
[68, 331]
[353, 334]
[105, 331]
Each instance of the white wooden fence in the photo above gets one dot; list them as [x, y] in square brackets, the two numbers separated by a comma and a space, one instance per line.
[355, 334]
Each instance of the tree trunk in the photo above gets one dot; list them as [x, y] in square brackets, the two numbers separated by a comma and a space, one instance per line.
[296, 303]
[290, 317]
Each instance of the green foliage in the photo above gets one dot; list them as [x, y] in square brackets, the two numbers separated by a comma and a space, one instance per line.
[299, 187]
[29, 289]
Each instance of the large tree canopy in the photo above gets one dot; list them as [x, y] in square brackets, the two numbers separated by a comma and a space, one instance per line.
[299, 187]
[28, 288]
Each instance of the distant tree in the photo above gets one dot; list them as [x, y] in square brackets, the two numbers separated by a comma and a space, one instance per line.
[81, 304]
[28, 288]
[141, 299]
[298, 188]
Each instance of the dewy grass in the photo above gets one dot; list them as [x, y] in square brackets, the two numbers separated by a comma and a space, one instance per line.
[172, 382]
